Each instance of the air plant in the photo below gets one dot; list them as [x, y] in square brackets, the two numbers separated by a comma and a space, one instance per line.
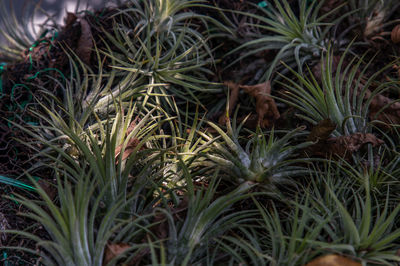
[190, 239]
[277, 237]
[342, 95]
[371, 15]
[79, 227]
[107, 133]
[134, 163]
[20, 33]
[111, 148]
[269, 161]
[160, 44]
[359, 224]
[183, 144]
[364, 229]
[381, 173]
[297, 39]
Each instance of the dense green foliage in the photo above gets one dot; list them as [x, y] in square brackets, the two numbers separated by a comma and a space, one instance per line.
[143, 174]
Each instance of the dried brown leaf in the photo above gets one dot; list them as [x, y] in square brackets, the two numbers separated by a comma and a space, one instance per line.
[333, 260]
[132, 143]
[391, 113]
[85, 43]
[161, 228]
[345, 145]
[113, 250]
[322, 130]
[132, 126]
[37, 53]
[130, 147]
[381, 107]
[266, 108]
[395, 34]
[374, 23]
[70, 19]
[251, 120]
[50, 190]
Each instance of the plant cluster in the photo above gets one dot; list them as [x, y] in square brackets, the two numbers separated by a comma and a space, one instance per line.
[145, 134]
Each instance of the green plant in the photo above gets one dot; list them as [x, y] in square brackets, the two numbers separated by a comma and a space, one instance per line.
[182, 144]
[278, 238]
[78, 94]
[365, 230]
[22, 32]
[132, 172]
[343, 95]
[265, 161]
[297, 39]
[191, 238]
[371, 15]
[79, 227]
[328, 174]
[381, 174]
[107, 190]
[158, 43]
[109, 149]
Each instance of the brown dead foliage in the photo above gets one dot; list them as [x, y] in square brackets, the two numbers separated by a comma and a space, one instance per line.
[384, 109]
[319, 67]
[85, 43]
[331, 4]
[265, 104]
[266, 109]
[37, 53]
[70, 19]
[113, 250]
[345, 145]
[395, 34]
[131, 145]
[333, 260]
[50, 189]
[374, 24]
[322, 130]
[342, 146]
